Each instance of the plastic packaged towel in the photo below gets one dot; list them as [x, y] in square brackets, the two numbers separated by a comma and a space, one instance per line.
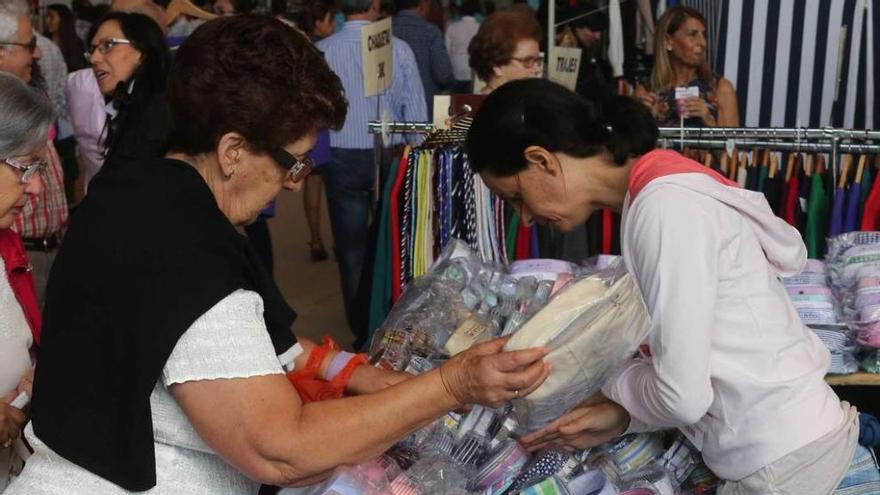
[590, 327]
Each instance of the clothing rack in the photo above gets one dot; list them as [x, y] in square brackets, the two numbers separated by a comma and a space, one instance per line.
[816, 140]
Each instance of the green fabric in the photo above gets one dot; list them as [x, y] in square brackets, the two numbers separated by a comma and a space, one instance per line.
[867, 182]
[764, 172]
[380, 298]
[550, 486]
[817, 218]
[512, 229]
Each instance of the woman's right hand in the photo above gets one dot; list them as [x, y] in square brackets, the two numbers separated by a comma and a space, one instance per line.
[648, 98]
[486, 375]
[12, 420]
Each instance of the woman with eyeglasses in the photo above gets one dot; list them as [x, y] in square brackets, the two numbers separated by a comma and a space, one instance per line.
[130, 60]
[506, 48]
[25, 118]
[166, 343]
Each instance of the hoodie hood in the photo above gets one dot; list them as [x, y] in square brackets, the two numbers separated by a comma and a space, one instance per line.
[782, 243]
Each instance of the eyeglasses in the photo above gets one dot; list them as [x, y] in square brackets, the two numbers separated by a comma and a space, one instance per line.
[529, 62]
[30, 46]
[28, 170]
[105, 45]
[297, 169]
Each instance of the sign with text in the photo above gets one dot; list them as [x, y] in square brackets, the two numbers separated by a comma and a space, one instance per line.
[565, 63]
[376, 55]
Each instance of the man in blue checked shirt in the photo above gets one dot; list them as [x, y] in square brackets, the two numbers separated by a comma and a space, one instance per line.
[349, 176]
[427, 43]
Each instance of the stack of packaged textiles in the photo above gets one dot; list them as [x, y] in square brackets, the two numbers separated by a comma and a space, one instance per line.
[854, 269]
[592, 318]
[818, 309]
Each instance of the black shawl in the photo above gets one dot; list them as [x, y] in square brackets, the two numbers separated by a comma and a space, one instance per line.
[147, 253]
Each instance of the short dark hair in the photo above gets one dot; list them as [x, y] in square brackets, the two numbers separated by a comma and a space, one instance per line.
[354, 7]
[405, 4]
[252, 75]
[537, 112]
[470, 7]
[313, 12]
[496, 40]
[147, 38]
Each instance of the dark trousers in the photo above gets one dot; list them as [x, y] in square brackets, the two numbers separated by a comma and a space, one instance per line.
[348, 181]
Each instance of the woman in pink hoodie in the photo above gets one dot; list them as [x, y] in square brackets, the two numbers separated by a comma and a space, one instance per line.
[727, 361]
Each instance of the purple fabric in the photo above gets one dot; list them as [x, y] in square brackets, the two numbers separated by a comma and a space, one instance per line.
[321, 153]
[837, 212]
[269, 211]
[851, 221]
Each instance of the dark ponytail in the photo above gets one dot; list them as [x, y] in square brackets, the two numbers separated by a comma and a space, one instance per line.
[537, 112]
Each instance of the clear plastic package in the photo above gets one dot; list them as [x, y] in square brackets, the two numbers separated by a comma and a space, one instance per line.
[590, 327]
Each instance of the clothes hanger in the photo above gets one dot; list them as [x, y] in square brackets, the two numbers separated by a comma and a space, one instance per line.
[185, 7]
[774, 165]
[860, 170]
[846, 162]
[820, 164]
[789, 166]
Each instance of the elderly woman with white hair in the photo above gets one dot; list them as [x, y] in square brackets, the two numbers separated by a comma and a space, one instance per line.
[26, 117]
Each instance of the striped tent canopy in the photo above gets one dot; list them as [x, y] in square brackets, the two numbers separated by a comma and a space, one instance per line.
[798, 62]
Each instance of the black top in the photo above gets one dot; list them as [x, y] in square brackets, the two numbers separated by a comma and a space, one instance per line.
[139, 130]
[147, 253]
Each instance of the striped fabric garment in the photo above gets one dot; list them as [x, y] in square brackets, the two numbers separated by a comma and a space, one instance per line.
[798, 62]
[46, 214]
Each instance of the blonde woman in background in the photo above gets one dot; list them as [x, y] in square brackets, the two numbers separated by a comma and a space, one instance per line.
[680, 61]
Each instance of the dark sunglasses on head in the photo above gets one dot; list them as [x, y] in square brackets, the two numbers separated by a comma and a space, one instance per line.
[297, 169]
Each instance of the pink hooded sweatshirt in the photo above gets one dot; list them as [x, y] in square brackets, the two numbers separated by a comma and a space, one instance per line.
[731, 364]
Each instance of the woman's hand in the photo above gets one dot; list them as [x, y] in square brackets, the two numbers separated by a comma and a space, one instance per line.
[485, 375]
[594, 422]
[12, 420]
[698, 107]
[648, 98]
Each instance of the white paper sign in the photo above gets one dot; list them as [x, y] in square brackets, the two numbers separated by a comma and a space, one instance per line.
[565, 63]
[376, 56]
[683, 93]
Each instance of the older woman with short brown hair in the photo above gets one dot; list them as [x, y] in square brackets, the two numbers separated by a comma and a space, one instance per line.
[166, 342]
[506, 48]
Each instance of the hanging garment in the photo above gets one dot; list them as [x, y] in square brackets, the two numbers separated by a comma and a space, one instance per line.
[806, 185]
[380, 297]
[773, 191]
[817, 218]
[406, 221]
[871, 211]
[763, 174]
[534, 250]
[615, 38]
[792, 188]
[512, 231]
[838, 210]
[867, 185]
[753, 173]
[851, 216]
[394, 224]
[523, 242]
[607, 230]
